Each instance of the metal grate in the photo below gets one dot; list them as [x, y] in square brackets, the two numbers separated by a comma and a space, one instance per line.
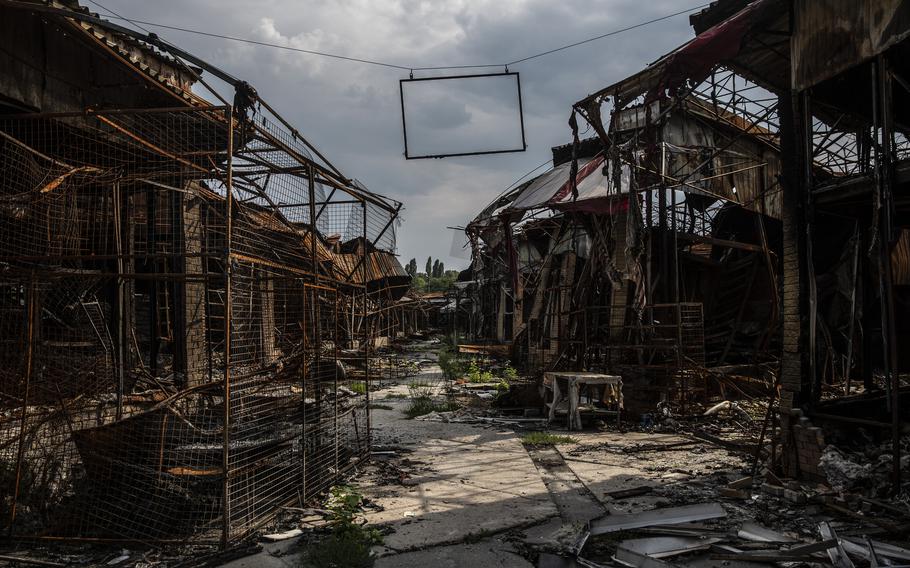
[179, 348]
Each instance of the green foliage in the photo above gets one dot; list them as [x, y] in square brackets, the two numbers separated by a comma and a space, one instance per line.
[396, 395]
[422, 401]
[545, 439]
[436, 284]
[473, 372]
[359, 387]
[452, 366]
[348, 546]
[375, 406]
[477, 375]
[509, 373]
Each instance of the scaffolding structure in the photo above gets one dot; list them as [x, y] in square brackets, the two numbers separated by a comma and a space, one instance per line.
[185, 305]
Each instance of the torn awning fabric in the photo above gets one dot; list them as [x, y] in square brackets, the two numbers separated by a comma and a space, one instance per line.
[695, 60]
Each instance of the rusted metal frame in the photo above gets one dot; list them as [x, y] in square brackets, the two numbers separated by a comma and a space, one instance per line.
[119, 297]
[366, 352]
[303, 384]
[228, 308]
[823, 144]
[735, 138]
[728, 96]
[28, 148]
[143, 142]
[379, 236]
[327, 176]
[268, 165]
[298, 136]
[142, 256]
[271, 264]
[209, 110]
[679, 341]
[756, 118]
[325, 204]
[300, 158]
[852, 324]
[175, 52]
[882, 111]
[261, 192]
[29, 353]
[842, 154]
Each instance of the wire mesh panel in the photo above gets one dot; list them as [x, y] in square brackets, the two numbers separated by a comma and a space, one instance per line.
[179, 349]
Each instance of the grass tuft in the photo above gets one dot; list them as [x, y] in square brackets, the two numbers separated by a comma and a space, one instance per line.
[348, 545]
[546, 439]
[398, 395]
[375, 406]
[359, 387]
[424, 405]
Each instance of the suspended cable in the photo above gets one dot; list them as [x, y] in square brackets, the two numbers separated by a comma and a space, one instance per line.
[140, 23]
[608, 34]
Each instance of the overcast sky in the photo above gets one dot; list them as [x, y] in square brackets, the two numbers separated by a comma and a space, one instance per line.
[352, 112]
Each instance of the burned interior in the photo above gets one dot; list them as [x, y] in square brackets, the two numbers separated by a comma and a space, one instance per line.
[679, 341]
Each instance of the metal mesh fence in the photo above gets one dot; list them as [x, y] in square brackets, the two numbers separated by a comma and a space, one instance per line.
[180, 353]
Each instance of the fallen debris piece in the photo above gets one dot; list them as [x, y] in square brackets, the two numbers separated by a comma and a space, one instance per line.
[858, 547]
[743, 483]
[632, 492]
[276, 537]
[663, 546]
[727, 405]
[668, 516]
[638, 560]
[124, 556]
[734, 493]
[25, 560]
[836, 553]
[842, 473]
[757, 533]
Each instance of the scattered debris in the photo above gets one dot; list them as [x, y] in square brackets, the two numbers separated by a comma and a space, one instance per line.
[668, 516]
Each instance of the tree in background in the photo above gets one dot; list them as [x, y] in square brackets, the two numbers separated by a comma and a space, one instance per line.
[436, 279]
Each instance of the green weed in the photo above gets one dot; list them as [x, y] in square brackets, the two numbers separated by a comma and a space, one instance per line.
[545, 439]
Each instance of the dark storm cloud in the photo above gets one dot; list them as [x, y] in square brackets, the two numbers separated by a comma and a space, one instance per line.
[352, 111]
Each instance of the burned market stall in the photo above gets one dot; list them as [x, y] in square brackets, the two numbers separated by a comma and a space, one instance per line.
[837, 71]
[181, 329]
[653, 255]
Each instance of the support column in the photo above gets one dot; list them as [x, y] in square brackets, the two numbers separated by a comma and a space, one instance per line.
[793, 276]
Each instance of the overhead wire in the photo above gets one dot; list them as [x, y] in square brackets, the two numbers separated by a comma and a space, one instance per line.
[411, 68]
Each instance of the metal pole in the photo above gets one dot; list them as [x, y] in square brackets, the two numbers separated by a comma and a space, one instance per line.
[228, 309]
[29, 349]
[886, 236]
[119, 301]
[366, 332]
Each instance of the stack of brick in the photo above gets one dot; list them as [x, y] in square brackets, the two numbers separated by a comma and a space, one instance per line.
[809, 443]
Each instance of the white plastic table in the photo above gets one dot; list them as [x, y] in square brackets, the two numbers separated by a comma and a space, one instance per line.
[567, 385]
